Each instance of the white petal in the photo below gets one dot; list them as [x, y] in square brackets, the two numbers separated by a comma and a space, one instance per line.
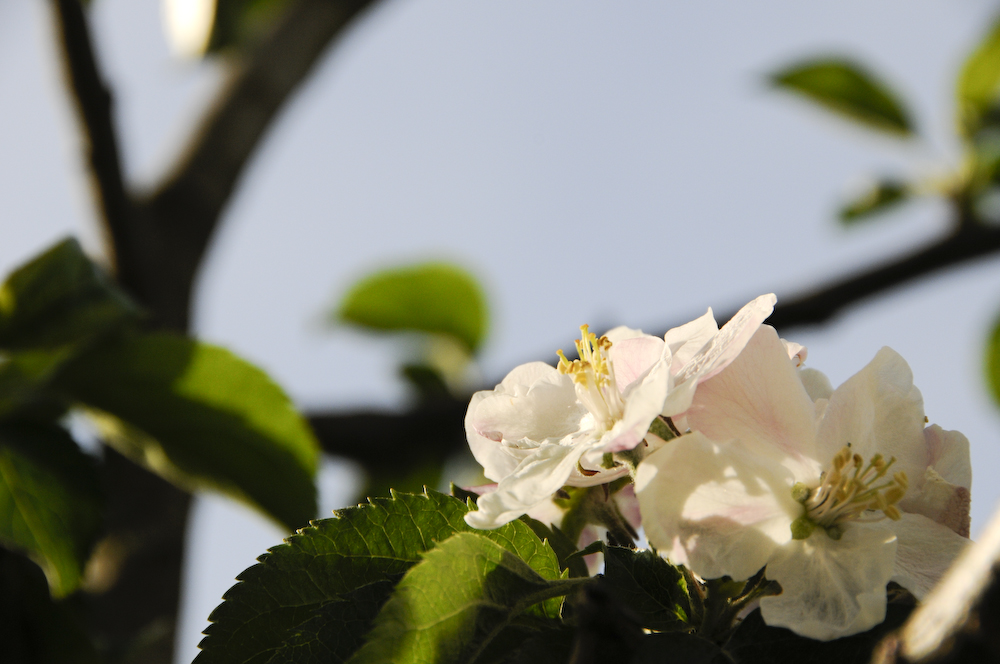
[760, 400]
[685, 341]
[496, 461]
[949, 455]
[831, 588]
[545, 408]
[926, 549]
[797, 353]
[878, 410]
[816, 383]
[731, 339]
[632, 358]
[643, 403]
[941, 502]
[530, 485]
[621, 333]
[715, 507]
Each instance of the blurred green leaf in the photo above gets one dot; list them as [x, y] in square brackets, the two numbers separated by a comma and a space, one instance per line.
[433, 297]
[979, 83]
[993, 362]
[199, 415]
[240, 22]
[59, 298]
[454, 602]
[24, 375]
[848, 89]
[50, 500]
[880, 197]
[33, 628]
[333, 558]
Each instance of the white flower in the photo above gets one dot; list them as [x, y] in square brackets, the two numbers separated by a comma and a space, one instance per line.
[805, 488]
[544, 427]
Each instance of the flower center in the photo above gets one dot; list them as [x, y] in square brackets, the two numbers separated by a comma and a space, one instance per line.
[847, 491]
[594, 378]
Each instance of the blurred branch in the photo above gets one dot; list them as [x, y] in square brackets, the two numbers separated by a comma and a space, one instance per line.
[94, 108]
[370, 438]
[183, 212]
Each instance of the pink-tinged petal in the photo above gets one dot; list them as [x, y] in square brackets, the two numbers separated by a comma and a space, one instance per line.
[632, 358]
[685, 341]
[878, 410]
[797, 353]
[643, 402]
[628, 506]
[760, 400]
[715, 507]
[949, 455]
[941, 502]
[831, 588]
[926, 550]
[530, 485]
[497, 463]
[816, 383]
[622, 333]
[725, 346]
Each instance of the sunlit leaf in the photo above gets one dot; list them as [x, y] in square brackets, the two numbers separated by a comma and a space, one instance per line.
[979, 83]
[880, 197]
[280, 602]
[200, 416]
[59, 298]
[433, 297]
[450, 606]
[50, 500]
[849, 90]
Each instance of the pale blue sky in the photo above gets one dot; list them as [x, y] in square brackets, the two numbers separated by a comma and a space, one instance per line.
[607, 163]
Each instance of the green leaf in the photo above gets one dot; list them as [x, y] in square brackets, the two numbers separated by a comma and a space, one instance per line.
[334, 557]
[24, 376]
[452, 604]
[563, 547]
[200, 416]
[979, 83]
[59, 298]
[881, 197]
[650, 586]
[849, 90]
[33, 628]
[337, 629]
[432, 297]
[50, 500]
[993, 361]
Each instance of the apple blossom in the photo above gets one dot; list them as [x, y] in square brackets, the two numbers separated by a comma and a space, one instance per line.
[836, 494]
[545, 427]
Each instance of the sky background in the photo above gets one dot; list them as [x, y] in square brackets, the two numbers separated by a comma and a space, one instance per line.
[602, 163]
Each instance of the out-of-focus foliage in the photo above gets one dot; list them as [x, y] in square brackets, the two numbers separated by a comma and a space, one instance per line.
[978, 84]
[436, 298]
[50, 500]
[202, 417]
[881, 197]
[846, 88]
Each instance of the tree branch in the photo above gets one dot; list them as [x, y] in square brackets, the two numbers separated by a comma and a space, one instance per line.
[179, 217]
[367, 437]
[94, 110]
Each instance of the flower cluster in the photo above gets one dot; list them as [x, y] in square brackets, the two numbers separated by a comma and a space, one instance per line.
[742, 461]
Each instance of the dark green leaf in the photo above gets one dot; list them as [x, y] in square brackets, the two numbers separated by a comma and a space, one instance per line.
[59, 298]
[453, 603]
[50, 503]
[881, 197]
[33, 628]
[756, 643]
[433, 297]
[993, 361]
[362, 545]
[650, 586]
[564, 548]
[336, 629]
[979, 83]
[847, 89]
[200, 416]
[24, 375]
